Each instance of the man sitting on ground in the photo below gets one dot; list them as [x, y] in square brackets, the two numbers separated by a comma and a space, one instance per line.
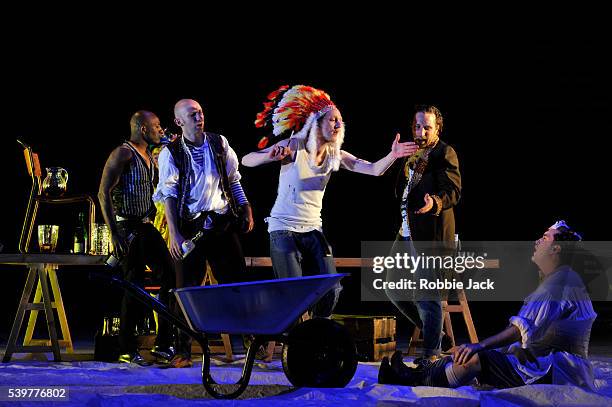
[548, 339]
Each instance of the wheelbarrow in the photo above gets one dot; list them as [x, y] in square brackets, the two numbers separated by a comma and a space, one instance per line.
[316, 353]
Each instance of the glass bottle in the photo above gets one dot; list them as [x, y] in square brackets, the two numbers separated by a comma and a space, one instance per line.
[80, 235]
[189, 245]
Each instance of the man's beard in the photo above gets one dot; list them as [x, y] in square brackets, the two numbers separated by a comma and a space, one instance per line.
[425, 142]
[150, 142]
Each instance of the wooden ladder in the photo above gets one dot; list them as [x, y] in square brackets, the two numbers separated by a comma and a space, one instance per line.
[226, 348]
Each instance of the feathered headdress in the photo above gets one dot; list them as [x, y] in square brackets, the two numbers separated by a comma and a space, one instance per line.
[288, 108]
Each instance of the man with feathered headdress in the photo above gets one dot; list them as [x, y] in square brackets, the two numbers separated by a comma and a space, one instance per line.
[311, 130]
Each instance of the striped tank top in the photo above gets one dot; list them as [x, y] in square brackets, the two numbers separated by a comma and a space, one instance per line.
[132, 195]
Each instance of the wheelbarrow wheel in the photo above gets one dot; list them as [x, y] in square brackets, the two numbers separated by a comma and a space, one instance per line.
[319, 353]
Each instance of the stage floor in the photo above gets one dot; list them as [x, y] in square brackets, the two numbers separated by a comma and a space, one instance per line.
[95, 383]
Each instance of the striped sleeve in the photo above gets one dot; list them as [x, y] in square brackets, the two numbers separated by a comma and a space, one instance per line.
[238, 193]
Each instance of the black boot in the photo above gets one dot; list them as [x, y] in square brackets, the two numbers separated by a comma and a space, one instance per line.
[405, 376]
[163, 353]
[386, 375]
[397, 362]
[134, 357]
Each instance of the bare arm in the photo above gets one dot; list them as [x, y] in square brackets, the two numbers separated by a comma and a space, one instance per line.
[352, 163]
[277, 152]
[113, 168]
[505, 337]
[464, 353]
[398, 150]
[176, 239]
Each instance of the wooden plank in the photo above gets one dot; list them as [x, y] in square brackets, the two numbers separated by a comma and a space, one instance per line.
[346, 262]
[47, 342]
[33, 349]
[37, 171]
[215, 346]
[28, 160]
[384, 349]
[25, 297]
[339, 262]
[227, 347]
[467, 316]
[46, 295]
[52, 258]
[258, 261]
[270, 351]
[448, 324]
[35, 306]
[384, 328]
[59, 305]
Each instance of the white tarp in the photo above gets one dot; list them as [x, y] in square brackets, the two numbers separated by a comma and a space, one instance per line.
[110, 384]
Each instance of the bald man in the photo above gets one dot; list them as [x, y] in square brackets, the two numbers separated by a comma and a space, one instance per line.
[125, 196]
[199, 184]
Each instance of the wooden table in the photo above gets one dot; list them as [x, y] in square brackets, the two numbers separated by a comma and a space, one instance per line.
[43, 266]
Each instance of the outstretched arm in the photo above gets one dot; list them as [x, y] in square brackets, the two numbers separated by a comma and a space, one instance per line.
[398, 150]
[277, 152]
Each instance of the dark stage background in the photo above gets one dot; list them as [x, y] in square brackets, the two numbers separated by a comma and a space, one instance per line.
[531, 128]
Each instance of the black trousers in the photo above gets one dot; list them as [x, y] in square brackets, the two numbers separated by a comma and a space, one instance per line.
[221, 247]
[147, 248]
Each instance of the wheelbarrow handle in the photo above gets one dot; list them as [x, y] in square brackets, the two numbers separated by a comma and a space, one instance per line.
[150, 302]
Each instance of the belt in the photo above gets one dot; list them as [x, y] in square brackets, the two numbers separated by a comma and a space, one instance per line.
[146, 219]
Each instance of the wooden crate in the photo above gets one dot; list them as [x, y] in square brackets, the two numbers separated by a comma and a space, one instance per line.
[374, 336]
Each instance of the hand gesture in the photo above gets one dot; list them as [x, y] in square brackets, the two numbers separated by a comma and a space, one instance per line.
[176, 242]
[120, 245]
[399, 150]
[428, 205]
[463, 353]
[278, 152]
[247, 219]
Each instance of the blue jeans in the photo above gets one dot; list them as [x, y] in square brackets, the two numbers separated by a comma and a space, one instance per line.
[296, 254]
[425, 314]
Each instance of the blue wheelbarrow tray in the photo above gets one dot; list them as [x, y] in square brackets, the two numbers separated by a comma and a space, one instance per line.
[268, 310]
[268, 307]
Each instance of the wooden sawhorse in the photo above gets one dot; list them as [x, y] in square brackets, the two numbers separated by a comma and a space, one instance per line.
[464, 308]
[42, 270]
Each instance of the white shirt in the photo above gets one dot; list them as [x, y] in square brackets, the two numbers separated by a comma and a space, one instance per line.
[300, 195]
[561, 300]
[206, 193]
